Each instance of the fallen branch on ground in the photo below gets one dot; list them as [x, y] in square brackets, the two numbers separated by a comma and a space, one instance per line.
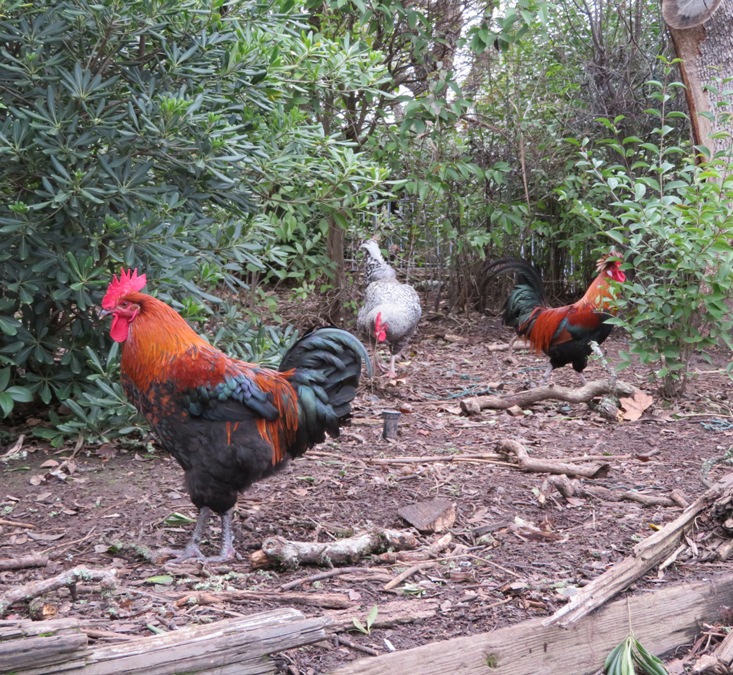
[583, 394]
[340, 639]
[291, 554]
[33, 560]
[322, 575]
[491, 458]
[572, 488]
[69, 578]
[390, 614]
[16, 523]
[719, 661]
[407, 574]
[329, 600]
[432, 551]
[646, 555]
[513, 449]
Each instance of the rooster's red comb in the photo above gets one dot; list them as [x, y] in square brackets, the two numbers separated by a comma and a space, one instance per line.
[128, 282]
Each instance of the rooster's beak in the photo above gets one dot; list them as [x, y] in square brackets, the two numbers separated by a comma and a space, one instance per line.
[104, 313]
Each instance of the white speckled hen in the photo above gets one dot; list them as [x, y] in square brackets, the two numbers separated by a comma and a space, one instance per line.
[391, 310]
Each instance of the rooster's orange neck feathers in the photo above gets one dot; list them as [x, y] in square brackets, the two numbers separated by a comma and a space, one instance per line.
[159, 335]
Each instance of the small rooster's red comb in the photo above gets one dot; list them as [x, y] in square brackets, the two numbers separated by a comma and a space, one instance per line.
[128, 282]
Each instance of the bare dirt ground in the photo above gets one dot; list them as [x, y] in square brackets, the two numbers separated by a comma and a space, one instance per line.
[512, 552]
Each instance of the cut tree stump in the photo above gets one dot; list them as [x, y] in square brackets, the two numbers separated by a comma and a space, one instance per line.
[228, 647]
[661, 620]
[434, 515]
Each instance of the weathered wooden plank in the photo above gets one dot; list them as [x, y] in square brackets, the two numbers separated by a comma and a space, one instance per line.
[39, 644]
[207, 649]
[54, 650]
[662, 620]
[232, 646]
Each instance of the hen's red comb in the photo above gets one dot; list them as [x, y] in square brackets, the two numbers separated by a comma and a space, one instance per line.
[380, 329]
[128, 282]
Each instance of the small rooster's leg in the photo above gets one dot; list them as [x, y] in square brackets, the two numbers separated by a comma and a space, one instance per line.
[546, 376]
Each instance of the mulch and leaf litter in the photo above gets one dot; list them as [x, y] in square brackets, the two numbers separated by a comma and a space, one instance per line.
[515, 551]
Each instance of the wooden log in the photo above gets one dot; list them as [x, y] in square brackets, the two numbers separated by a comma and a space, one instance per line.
[395, 613]
[291, 554]
[583, 394]
[232, 646]
[661, 620]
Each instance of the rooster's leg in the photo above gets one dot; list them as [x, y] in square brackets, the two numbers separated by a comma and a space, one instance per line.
[192, 549]
[227, 538]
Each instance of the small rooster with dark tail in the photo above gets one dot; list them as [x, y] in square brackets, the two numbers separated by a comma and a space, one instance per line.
[391, 310]
[228, 423]
[562, 333]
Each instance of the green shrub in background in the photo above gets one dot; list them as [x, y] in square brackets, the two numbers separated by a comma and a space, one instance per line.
[143, 134]
[673, 217]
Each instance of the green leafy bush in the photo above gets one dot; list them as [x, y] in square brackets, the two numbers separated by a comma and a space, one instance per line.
[673, 217]
[143, 134]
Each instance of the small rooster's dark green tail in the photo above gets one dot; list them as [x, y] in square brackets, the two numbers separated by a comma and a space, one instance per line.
[528, 292]
[327, 366]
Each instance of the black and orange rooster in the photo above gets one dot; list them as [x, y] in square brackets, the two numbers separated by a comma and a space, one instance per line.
[228, 423]
[562, 333]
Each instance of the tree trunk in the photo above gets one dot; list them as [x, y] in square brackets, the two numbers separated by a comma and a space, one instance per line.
[336, 254]
[706, 50]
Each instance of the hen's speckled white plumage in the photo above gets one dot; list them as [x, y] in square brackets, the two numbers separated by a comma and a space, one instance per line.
[398, 303]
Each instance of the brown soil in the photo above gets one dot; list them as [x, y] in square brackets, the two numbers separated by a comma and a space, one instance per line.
[497, 571]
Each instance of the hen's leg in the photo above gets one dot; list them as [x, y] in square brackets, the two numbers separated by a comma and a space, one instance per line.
[392, 372]
[377, 363]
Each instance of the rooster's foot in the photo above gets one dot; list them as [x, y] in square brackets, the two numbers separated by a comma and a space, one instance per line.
[193, 552]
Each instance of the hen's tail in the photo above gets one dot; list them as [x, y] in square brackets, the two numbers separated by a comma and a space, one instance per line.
[528, 292]
[326, 365]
